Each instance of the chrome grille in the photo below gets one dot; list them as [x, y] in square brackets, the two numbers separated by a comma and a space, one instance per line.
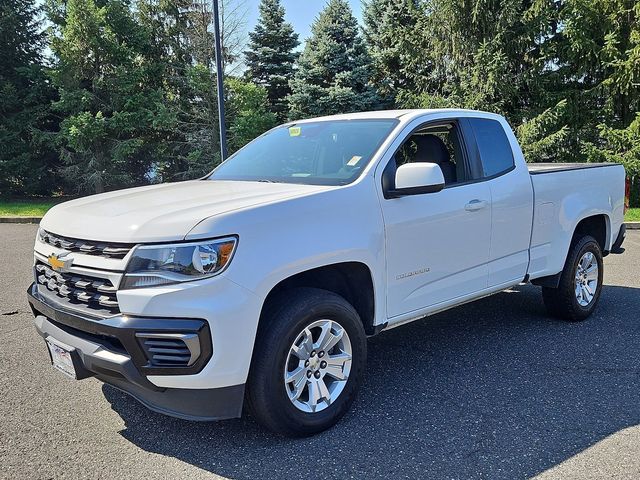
[88, 247]
[94, 292]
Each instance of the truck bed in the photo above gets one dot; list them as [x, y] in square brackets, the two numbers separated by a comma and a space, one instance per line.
[539, 168]
[573, 191]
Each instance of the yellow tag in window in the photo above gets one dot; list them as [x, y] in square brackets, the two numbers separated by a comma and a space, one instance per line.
[354, 161]
[295, 131]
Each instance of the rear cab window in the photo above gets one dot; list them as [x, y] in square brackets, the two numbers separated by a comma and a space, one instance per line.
[494, 148]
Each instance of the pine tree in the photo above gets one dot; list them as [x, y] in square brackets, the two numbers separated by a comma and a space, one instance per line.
[27, 159]
[334, 71]
[487, 55]
[270, 58]
[390, 33]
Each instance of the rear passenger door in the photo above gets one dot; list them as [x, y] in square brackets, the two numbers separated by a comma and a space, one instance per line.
[511, 200]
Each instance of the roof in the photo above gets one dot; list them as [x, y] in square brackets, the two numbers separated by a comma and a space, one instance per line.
[389, 114]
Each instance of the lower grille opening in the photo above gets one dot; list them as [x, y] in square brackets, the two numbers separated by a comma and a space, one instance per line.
[110, 343]
[170, 349]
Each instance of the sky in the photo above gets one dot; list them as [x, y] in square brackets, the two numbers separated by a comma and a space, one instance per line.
[300, 13]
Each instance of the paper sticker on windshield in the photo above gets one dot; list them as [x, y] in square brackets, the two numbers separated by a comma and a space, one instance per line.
[294, 131]
[354, 161]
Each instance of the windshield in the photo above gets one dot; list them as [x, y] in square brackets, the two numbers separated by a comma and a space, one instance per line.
[332, 152]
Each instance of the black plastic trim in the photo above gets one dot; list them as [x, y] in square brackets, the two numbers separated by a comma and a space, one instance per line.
[617, 245]
[551, 281]
[190, 404]
[403, 192]
[201, 405]
[123, 328]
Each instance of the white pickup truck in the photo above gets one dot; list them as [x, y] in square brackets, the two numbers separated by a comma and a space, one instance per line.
[262, 281]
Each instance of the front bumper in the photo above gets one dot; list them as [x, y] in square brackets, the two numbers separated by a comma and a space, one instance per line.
[110, 349]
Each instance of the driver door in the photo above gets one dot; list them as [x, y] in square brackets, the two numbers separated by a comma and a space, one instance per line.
[437, 244]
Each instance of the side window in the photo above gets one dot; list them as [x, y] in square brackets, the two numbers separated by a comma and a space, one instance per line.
[438, 144]
[493, 145]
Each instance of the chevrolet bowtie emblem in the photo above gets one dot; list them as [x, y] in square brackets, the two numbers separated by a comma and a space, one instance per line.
[60, 262]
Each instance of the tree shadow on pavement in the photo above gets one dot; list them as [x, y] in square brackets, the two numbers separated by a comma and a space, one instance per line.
[490, 389]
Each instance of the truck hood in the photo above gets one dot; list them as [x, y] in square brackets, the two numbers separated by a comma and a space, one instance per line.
[163, 212]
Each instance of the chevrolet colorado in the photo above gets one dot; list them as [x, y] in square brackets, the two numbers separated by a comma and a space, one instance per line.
[262, 281]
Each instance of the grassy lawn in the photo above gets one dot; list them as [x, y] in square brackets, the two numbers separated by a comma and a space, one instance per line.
[633, 215]
[25, 208]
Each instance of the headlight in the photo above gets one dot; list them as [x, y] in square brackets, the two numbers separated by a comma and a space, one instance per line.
[152, 265]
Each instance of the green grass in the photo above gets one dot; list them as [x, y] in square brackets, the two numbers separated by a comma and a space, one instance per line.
[632, 215]
[25, 208]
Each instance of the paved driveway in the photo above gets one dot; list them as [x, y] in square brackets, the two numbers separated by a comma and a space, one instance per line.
[493, 389]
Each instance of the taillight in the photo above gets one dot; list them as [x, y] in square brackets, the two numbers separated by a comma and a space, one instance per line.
[627, 193]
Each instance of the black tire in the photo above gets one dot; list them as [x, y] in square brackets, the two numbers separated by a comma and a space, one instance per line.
[561, 302]
[284, 318]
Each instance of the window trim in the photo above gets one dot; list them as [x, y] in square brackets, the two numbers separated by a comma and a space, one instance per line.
[462, 131]
[477, 148]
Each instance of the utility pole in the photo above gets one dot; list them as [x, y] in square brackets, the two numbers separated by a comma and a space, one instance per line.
[219, 81]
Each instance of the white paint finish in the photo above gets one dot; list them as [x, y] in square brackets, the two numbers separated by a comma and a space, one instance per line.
[413, 175]
[511, 218]
[425, 253]
[435, 232]
[562, 200]
[232, 313]
[160, 212]
[343, 224]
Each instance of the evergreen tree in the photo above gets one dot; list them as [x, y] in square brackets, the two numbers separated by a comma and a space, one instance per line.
[334, 71]
[390, 32]
[599, 70]
[271, 57]
[116, 119]
[27, 159]
[180, 55]
[495, 56]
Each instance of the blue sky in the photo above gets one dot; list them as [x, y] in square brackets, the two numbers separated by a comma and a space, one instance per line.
[300, 13]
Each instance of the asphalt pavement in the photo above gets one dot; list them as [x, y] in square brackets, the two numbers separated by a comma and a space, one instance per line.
[493, 389]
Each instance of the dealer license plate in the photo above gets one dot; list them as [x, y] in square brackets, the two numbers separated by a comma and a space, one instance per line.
[61, 359]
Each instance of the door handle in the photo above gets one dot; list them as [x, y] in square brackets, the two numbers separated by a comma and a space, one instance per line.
[475, 205]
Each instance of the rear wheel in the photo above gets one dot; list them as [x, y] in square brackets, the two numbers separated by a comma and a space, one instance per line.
[580, 283]
[308, 362]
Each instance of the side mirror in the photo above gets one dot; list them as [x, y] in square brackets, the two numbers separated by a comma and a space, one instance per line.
[418, 178]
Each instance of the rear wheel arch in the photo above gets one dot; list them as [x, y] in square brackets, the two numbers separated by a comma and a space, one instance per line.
[597, 226]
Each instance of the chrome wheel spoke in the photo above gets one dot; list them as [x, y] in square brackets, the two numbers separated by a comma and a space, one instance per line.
[328, 339]
[587, 288]
[299, 380]
[324, 391]
[314, 395]
[316, 372]
[336, 364]
[586, 279]
[303, 350]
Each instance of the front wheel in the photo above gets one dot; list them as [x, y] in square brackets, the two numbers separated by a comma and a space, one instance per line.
[580, 283]
[308, 362]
